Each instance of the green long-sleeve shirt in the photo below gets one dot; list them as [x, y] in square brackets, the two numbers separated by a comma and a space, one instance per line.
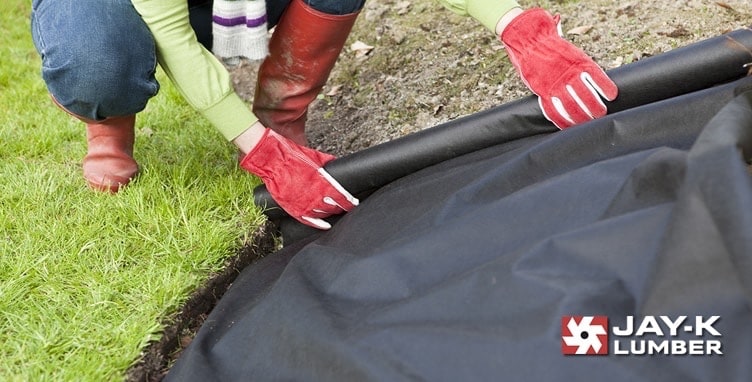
[487, 12]
[205, 83]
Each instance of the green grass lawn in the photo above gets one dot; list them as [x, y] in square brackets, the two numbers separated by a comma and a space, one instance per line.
[86, 279]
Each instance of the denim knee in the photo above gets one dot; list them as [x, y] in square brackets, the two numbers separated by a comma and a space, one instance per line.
[92, 67]
[97, 88]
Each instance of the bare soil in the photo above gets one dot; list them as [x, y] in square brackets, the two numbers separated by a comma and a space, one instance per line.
[410, 65]
[428, 65]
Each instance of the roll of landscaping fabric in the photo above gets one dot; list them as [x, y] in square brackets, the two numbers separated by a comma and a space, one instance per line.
[680, 71]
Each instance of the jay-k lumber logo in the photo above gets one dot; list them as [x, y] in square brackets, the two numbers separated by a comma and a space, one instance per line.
[650, 335]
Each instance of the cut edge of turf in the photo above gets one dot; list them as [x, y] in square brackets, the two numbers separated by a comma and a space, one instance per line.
[180, 327]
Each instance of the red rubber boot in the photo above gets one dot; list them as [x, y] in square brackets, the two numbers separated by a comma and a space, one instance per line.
[109, 164]
[302, 52]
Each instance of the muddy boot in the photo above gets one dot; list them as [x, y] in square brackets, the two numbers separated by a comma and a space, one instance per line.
[109, 164]
[302, 52]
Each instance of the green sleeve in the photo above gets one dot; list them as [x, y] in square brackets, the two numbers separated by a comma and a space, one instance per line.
[487, 12]
[197, 74]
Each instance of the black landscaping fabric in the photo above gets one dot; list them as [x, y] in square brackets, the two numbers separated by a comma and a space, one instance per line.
[463, 271]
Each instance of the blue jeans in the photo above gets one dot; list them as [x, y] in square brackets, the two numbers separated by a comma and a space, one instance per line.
[99, 57]
[274, 8]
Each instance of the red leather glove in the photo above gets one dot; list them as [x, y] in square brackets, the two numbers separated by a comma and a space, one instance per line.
[296, 179]
[569, 84]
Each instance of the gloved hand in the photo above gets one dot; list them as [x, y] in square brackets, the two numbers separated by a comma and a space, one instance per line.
[296, 179]
[569, 84]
